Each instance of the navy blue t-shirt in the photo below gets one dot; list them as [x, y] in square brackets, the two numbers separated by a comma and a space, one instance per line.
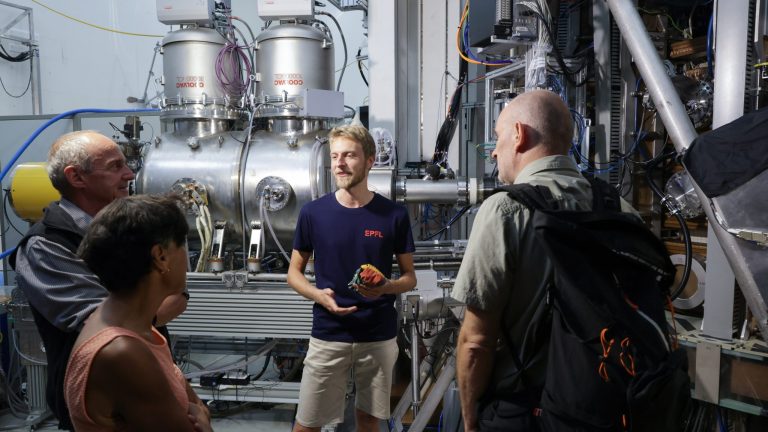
[343, 239]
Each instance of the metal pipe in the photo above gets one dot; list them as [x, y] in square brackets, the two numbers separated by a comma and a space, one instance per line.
[429, 363]
[432, 243]
[432, 265]
[682, 132]
[436, 255]
[37, 98]
[149, 75]
[728, 105]
[415, 381]
[13, 5]
[435, 396]
[448, 191]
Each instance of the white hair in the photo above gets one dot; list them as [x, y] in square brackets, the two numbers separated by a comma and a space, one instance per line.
[68, 150]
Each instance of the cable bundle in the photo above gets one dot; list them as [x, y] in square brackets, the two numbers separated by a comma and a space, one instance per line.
[204, 225]
[447, 226]
[18, 58]
[448, 128]
[234, 69]
[541, 11]
[462, 42]
[264, 215]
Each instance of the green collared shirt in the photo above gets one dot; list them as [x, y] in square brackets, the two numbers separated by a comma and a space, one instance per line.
[503, 268]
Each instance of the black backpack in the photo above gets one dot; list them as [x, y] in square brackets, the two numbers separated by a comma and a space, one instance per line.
[612, 365]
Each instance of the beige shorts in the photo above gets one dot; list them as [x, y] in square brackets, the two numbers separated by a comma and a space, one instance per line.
[326, 372]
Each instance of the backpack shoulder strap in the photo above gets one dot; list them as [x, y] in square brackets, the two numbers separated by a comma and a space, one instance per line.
[604, 196]
[534, 197]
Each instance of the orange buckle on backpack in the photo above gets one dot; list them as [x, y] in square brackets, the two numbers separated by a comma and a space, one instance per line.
[607, 345]
[626, 359]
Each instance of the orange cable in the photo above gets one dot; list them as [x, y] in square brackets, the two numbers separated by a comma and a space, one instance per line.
[675, 343]
[464, 16]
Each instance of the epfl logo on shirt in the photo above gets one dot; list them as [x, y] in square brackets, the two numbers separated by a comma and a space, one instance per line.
[373, 233]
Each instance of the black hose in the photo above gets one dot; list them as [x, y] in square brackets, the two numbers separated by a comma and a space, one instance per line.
[360, 67]
[686, 236]
[343, 42]
[447, 226]
[21, 57]
[448, 128]
[354, 112]
[688, 256]
[264, 368]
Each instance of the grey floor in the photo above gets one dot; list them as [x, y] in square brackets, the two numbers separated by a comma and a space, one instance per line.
[254, 419]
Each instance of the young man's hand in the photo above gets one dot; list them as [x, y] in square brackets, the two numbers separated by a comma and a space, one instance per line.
[325, 298]
[374, 291]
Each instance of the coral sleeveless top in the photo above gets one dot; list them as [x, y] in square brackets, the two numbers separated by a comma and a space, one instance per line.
[79, 369]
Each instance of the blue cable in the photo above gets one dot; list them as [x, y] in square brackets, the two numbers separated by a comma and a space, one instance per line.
[468, 50]
[637, 89]
[440, 422]
[45, 125]
[5, 253]
[720, 421]
[557, 86]
[709, 44]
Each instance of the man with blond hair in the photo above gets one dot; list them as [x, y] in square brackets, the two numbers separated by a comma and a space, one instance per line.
[354, 327]
[89, 171]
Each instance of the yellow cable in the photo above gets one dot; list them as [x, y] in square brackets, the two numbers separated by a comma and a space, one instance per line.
[458, 40]
[761, 64]
[94, 25]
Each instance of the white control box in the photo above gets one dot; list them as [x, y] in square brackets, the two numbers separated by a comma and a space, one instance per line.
[185, 12]
[322, 103]
[286, 9]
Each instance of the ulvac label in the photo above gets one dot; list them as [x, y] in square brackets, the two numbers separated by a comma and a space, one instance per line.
[190, 81]
[291, 79]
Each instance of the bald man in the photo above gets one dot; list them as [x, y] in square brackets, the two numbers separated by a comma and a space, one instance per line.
[89, 171]
[504, 273]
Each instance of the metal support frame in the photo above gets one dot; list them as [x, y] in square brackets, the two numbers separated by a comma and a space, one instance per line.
[728, 100]
[415, 378]
[350, 5]
[746, 259]
[421, 377]
[435, 396]
[407, 399]
[27, 13]
[405, 78]
[429, 404]
[438, 64]
[384, 93]
[518, 67]
[760, 47]
[607, 93]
